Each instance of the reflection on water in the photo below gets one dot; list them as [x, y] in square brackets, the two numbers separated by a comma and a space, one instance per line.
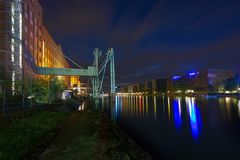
[141, 107]
[194, 115]
[177, 112]
[81, 107]
[169, 108]
[239, 108]
[228, 107]
[155, 107]
[188, 125]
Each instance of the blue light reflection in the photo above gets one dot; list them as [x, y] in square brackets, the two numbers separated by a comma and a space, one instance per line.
[177, 112]
[194, 115]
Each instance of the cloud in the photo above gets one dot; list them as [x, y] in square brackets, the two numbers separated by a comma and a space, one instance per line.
[150, 38]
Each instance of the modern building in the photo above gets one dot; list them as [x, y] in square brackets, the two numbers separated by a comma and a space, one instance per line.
[203, 82]
[148, 88]
[212, 80]
[11, 46]
[162, 85]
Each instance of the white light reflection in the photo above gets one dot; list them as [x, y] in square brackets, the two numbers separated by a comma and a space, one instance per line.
[81, 107]
[147, 105]
[155, 107]
[239, 108]
[169, 108]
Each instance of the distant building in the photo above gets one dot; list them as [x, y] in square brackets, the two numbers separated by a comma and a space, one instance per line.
[233, 84]
[179, 84]
[203, 81]
[212, 80]
[148, 87]
[141, 87]
[162, 85]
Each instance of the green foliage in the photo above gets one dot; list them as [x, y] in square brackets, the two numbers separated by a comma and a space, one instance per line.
[45, 91]
[40, 90]
[23, 134]
[56, 87]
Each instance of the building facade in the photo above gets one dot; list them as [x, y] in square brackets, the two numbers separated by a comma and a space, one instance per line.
[11, 46]
[206, 81]
[162, 85]
[25, 44]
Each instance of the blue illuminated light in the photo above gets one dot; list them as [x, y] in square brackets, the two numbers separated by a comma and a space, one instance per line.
[194, 115]
[176, 77]
[193, 73]
[177, 113]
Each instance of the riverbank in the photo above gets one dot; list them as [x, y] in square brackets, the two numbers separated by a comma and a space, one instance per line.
[91, 135]
[62, 132]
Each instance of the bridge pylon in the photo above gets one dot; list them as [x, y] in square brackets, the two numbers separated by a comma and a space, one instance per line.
[101, 63]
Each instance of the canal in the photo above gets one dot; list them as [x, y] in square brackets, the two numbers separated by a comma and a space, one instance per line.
[180, 127]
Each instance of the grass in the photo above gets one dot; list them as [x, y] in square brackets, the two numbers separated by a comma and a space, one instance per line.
[17, 138]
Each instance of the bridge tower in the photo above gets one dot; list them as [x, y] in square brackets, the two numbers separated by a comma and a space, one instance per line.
[97, 81]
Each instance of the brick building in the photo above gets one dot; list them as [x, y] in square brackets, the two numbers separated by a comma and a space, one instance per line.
[26, 43]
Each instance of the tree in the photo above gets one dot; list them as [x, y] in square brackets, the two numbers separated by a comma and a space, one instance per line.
[56, 87]
[40, 90]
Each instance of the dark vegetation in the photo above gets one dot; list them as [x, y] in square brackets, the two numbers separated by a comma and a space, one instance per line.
[25, 130]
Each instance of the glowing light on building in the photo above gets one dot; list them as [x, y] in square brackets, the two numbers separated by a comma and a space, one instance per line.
[176, 77]
[20, 35]
[189, 91]
[227, 92]
[12, 49]
[13, 83]
[13, 31]
[43, 56]
[179, 91]
[193, 73]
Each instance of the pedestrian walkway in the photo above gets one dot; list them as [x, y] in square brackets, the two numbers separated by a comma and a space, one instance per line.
[89, 135]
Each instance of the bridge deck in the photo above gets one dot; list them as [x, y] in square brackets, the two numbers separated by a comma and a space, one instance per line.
[89, 72]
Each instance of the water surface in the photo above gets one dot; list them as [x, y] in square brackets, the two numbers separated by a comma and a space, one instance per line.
[180, 127]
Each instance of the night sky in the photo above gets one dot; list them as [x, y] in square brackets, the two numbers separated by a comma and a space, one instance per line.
[151, 38]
